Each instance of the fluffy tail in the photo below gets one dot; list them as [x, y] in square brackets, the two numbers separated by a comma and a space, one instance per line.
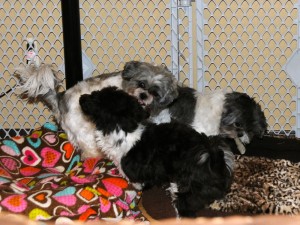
[219, 144]
[39, 83]
[209, 182]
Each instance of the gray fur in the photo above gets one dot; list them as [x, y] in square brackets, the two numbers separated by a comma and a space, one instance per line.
[158, 80]
[41, 84]
[230, 114]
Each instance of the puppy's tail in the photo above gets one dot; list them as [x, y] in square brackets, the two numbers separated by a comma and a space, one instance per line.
[219, 157]
[39, 83]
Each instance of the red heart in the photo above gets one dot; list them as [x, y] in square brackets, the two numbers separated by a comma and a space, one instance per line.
[89, 164]
[4, 173]
[29, 171]
[68, 150]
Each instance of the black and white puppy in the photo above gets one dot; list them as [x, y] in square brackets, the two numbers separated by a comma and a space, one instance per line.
[197, 167]
[229, 114]
[154, 86]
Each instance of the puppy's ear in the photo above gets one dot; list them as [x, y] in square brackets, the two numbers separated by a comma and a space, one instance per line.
[163, 66]
[130, 69]
[171, 92]
[85, 103]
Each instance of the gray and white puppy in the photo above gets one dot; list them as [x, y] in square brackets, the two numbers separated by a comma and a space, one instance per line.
[155, 87]
[229, 114]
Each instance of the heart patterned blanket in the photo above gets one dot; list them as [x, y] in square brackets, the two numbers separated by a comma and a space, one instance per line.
[43, 177]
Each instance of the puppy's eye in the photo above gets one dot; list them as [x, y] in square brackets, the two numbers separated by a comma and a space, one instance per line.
[237, 125]
[155, 94]
[141, 84]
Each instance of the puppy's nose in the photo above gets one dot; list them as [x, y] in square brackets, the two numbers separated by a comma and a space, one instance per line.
[240, 134]
[143, 96]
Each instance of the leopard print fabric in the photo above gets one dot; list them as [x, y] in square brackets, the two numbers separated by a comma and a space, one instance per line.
[263, 186]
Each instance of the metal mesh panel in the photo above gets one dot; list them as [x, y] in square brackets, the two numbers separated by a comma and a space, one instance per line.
[208, 44]
[114, 32]
[246, 45]
[19, 20]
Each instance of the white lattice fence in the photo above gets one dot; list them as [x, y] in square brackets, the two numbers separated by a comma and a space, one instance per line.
[19, 20]
[208, 44]
[246, 46]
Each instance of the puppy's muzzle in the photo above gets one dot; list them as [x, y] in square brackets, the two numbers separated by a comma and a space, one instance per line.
[145, 98]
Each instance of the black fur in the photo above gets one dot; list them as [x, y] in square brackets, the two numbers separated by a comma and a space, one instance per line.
[242, 114]
[187, 102]
[110, 109]
[173, 152]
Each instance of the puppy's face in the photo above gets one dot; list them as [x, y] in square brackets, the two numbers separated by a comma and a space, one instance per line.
[111, 109]
[242, 117]
[155, 87]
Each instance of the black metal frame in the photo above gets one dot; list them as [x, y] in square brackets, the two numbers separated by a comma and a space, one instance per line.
[72, 41]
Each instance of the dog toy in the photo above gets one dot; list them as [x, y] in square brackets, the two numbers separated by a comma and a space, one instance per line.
[31, 55]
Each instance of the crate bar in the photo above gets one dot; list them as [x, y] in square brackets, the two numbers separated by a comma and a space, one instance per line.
[298, 87]
[200, 44]
[186, 6]
[72, 41]
[174, 38]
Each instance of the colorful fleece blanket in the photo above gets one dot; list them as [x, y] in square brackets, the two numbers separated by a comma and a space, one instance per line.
[43, 177]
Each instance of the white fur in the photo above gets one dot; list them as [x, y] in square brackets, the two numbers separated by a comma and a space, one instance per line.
[208, 112]
[41, 83]
[173, 189]
[163, 117]
[80, 131]
[240, 145]
[116, 144]
[34, 77]
[245, 139]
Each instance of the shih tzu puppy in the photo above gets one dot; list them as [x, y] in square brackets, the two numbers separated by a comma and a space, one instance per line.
[154, 86]
[229, 114]
[197, 167]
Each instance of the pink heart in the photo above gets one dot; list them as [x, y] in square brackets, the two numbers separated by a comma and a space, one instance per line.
[122, 204]
[15, 203]
[8, 150]
[11, 164]
[50, 138]
[50, 157]
[105, 205]
[30, 157]
[83, 208]
[66, 196]
[68, 200]
[112, 188]
[63, 211]
[11, 148]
